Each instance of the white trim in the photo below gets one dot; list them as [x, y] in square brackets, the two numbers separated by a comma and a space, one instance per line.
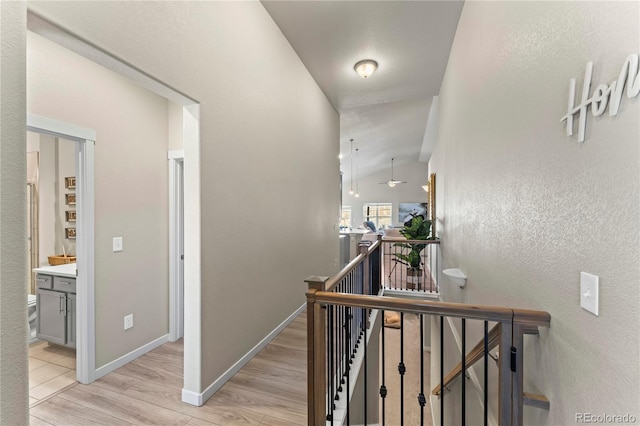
[200, 398]
[85, 245]
[177, 154]
[192, 250]
[49, 126]
[176, 238]
[127, 358]
[85, 252]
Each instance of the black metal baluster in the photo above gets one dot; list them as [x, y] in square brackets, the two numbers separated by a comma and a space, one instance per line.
[340, 349]
[486, 373]
[421, 398]
[347, 367]
[331, 352]
[328, 383]
[383, 388]
[463, 377]
[366, 387]
[401, 368]
[441, 371]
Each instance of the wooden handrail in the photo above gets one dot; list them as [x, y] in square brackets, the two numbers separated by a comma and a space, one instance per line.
[533, 400]
[419, 306]
[333, 281]
[475, 355]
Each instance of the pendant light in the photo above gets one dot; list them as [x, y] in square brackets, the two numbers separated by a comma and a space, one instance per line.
[357, 174]
[351, 162]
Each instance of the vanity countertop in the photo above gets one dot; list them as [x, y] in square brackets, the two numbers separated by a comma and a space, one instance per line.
[68, 270]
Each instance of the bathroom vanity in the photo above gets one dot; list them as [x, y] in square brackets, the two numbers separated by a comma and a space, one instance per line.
[56, 304]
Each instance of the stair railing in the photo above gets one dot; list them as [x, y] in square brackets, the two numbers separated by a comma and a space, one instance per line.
[338, 311]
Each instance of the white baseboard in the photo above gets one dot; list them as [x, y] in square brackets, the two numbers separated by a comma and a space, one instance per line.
[125, 359]
[199, 399]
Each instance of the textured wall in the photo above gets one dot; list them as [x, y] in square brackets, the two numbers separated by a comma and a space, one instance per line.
[523, 208]
[269, 147]
[13, 232]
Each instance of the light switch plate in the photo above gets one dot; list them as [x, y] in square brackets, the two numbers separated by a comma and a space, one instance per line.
[117, 244]
[589, 292]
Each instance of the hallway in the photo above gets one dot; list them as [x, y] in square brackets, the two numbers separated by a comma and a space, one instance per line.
[269, 390]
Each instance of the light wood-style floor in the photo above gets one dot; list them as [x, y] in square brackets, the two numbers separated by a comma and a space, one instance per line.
[270, 390]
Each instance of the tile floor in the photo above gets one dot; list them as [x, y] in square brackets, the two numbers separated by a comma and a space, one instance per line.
[51, 369]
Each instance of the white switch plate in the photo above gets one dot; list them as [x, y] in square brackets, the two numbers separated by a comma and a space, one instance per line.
[589, 292]
[117, 244]
[128, 321]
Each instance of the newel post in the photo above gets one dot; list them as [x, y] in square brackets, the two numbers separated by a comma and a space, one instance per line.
[316, 374]
[510, 374]
[363, 248]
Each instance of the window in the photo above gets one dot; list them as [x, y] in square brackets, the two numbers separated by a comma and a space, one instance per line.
[345, 217]
[378, 213]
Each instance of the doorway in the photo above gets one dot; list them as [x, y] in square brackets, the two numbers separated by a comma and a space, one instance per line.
[85, 242]
[176, 245]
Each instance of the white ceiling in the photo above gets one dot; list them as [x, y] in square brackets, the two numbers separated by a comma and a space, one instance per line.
[386, 114]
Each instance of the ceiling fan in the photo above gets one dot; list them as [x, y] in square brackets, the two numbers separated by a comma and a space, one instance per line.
[392, 182]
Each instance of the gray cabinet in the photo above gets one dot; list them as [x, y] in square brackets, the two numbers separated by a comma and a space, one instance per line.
[56, 310]
[51, 322]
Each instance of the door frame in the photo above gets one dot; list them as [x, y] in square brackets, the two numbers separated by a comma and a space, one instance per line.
[85, 244]
[176, 244]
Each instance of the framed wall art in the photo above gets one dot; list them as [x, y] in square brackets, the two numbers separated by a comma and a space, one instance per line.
[70, 233]
[70, 215]
[70, 199]
[70, 182]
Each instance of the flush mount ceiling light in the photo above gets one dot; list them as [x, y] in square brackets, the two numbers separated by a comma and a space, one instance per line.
[366, 67]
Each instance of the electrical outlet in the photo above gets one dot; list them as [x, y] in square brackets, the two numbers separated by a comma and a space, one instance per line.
[128, 321]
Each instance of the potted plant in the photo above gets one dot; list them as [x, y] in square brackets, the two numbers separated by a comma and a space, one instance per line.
[416, 229]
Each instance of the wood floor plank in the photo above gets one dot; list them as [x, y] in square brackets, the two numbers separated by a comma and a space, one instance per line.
[295, 358]
[278, 373]
[154, 374]
[293, 393]
[171, 399]
[170, 362]
[272, 421]
[267, 404]
[123, 407]
[198, 422]
[59, 411]
[116, 382]
[34, 421]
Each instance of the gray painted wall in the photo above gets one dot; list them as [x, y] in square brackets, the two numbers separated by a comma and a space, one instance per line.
[131, 188]
[523, 209]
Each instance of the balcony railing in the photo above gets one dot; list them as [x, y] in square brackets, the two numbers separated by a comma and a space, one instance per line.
[346, 369]
[400, 275]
